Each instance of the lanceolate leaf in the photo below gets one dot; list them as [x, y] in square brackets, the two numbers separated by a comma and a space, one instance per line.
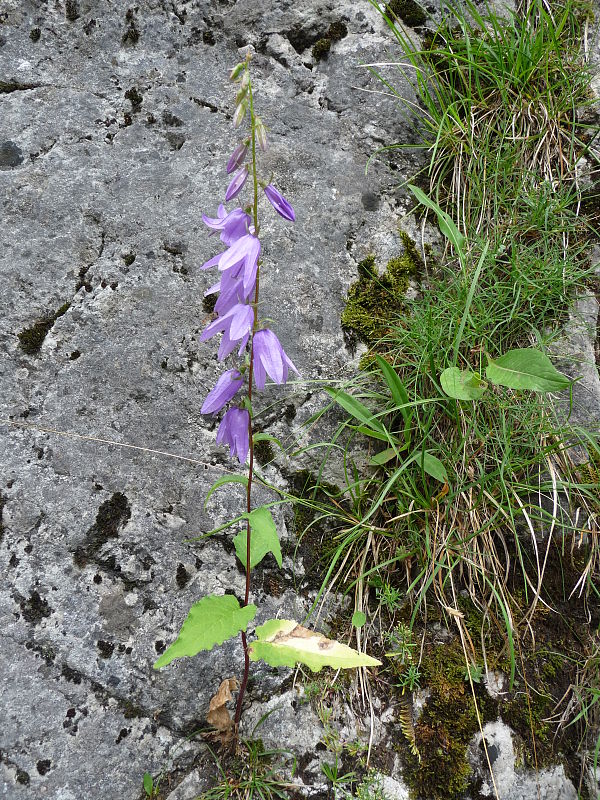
[210, 621]
[263, 538]
[284, 643]
[527, 368]
[447, 226]
[395, 385]
[462, 384]
[355, 408]
[243, 479]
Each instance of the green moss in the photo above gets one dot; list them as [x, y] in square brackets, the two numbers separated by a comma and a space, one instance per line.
[408, 11]
[336, 31]
[263, 452]
[373, 301]
[446, 726]
[31, 339]
[321, 48]
[128, 258]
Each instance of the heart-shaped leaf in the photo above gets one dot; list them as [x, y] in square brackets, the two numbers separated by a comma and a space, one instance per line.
[210, 621]
[462, 384]
[263, 538]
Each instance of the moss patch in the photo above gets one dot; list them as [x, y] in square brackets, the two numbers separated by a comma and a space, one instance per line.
[336, 31]
[31, 339]
[374, 301]
[408, 11]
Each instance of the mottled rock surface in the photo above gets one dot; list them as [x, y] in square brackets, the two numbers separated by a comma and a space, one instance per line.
[115, 127]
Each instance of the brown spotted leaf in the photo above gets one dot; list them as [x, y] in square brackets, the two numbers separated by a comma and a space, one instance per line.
[284, 643]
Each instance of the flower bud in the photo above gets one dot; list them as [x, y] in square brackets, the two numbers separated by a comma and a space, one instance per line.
[237, 157]
[239, 113]
[261, 134]
[246, 80]
[237, 184]
[236, 72]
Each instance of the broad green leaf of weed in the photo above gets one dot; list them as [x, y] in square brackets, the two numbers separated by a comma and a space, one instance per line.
[284, 643]
[432, 466]
[395, 385]
[526, 368]
[210, 621]
[462, 384]
[263, 539]
[148, 784]
[383, 457]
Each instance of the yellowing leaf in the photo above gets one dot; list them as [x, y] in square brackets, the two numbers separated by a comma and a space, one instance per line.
[284, 643]
[210, 621]
[263, 539]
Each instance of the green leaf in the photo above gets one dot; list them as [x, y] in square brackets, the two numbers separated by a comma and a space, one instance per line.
[263, 539]
[447, 226]
[432, 466]
[396, 387]
[284, 643]
[148, 784]
[462, 384]
[266, 437]
[355, 408]
[210, 621]
[223, 481]
[359, 619]
[383, 457]
[526, 368]
[382, 436]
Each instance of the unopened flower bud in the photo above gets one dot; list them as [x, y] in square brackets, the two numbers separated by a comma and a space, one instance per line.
[237, 157]
[236, 72]
[240, 113]
[246, 80]
[261, 134]
[237, 184]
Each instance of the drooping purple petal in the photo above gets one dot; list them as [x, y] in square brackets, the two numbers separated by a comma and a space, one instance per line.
[237, 157]
[237, 184]
[235, 254]
[251, 265]
[236, 225]
[234, 431]
[228, 345]
[279, 203]
[231, 290]
[237, 321]
[224, 390]
[270, 359]
[246, 249]
[232, 225]
[212, 262]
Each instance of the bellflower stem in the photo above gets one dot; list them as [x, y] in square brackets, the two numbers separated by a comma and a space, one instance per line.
[240, 700]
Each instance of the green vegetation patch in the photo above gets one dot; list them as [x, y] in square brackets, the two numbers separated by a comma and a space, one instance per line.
[31, 339]
[375, 300]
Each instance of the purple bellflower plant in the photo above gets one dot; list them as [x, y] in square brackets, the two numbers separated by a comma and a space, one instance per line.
[257, 354]
[259, 351]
